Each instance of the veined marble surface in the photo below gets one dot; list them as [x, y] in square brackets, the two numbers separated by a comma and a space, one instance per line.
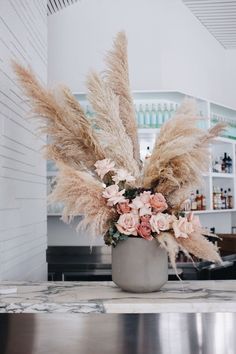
[106, 297]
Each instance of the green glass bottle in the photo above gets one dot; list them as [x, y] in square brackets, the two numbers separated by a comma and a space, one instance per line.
[147, 117]
[165, 113]
[159, 116]
[154, 116]
[141, 117]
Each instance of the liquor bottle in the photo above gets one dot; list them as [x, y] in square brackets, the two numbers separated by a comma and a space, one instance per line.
[224, 163]
[223, 199]
[226, 200]
[198, 200]
[229, 164]
[159, 115]
[154, 117]
[147, 118]
[165, 113]
[141, 120]
[230, 199]
[214, 198]
[217, 166]
[218, 193]
[203, 202]
[193, 202]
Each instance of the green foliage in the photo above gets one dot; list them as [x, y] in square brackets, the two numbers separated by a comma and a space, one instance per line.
[113, 236]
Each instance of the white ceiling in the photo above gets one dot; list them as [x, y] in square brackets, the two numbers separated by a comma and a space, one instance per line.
[56, 5]
[219, 17]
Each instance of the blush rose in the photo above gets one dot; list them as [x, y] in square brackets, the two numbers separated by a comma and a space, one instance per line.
[160, 222]
[158, 202]
[123, 207]
[127, 224]
[144, 230]
[182, 227]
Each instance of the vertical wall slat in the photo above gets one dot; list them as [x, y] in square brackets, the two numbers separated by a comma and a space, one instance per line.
[23, 220]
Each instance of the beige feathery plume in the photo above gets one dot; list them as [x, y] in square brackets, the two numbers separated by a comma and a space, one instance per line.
[117, 75]
[81, 194]
[110, 129]
[72, 139]
[168, 242]
[200, 247]
[180, 156]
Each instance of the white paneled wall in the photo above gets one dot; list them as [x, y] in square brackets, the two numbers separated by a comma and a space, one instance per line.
[23, 228]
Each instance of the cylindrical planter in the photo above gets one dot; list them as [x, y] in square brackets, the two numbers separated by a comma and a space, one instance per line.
[139, 265]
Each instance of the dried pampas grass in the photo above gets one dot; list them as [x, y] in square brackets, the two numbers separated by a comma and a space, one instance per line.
[117, 74]
[110, 129]
[72, 139]
[81, 194]
[200, 247]
[180, 156]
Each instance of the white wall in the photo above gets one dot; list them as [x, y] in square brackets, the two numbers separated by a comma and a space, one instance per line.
[23, 229]
[168, 47]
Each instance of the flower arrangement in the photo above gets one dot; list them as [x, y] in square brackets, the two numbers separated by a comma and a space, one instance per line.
[101, 175]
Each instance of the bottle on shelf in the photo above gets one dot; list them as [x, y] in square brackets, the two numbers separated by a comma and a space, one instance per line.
[217, 166]
[203, 202]
[229, 199]
[223, 199]
[160, 120]
[165, 113]
[223, 166]
[216, 198]
[226, 200]
[229, 165]
[193, 202]
[147, 117]
[198, 200]
[224, 163]
[141, 116]
[153, 116]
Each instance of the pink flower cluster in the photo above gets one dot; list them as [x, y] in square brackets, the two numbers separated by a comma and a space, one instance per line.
[144, 215]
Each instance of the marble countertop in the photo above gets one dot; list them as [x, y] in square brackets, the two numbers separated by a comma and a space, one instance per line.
[106, 297]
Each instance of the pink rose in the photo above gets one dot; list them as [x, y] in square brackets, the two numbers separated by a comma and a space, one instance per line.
[145, 197]
[145, 218]
[145, 211]
[137, 203]
[127, 224]
[113, 195]
[104, 166]
[145, 231]
[160, 222]
[123, 207]
[182, 228]
[158, 202]
[141, 201]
